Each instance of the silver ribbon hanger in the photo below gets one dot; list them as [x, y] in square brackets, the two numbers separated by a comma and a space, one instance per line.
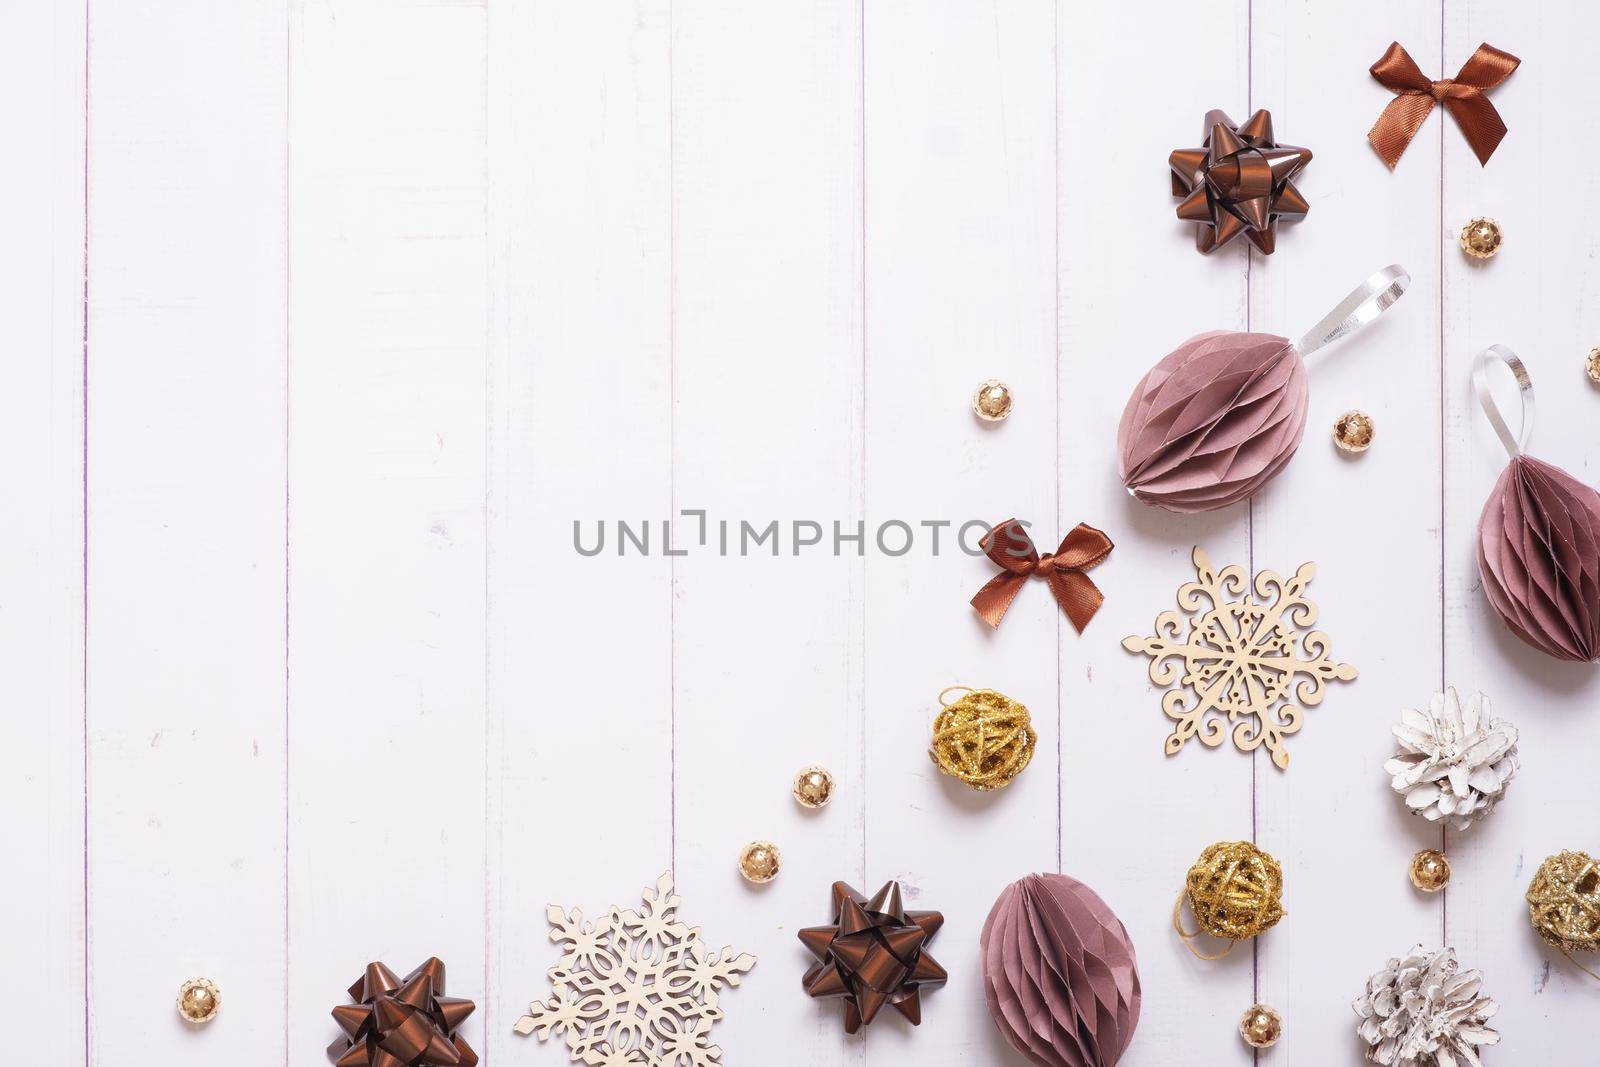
[1516, 444]
[1366, 302]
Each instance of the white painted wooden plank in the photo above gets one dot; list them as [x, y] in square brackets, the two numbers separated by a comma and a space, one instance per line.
[767, 351]
[1131, 288]
[1538, 297]
[960, 284]
[580, 669]
[1371, 523]
[388, 314]
[185, 489]
[42, 69]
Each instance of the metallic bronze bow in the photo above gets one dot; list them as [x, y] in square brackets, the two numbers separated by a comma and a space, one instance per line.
[1405, 114]
[399, 1022]
[1010, 547]
[873, 953]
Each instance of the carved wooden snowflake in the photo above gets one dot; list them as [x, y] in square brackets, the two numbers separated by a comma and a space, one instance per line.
[1240, 658]
[639, 989]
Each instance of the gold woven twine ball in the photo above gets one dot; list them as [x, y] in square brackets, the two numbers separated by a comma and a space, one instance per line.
[1592, 366]
[813, 787]
[759, 862]
[199, 1000]
[984, 738]
[1481, 238]
[1430, 870]
[1235, 890]
[1564, 902]
[1353, 431]
[991, 401]
[1261, 1026]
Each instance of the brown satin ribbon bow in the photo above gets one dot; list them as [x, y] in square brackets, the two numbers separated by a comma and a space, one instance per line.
[1463, 96]
[1010, 547]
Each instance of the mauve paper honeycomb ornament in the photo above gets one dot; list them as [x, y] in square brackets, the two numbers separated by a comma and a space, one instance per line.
[1059, 973]
[1223, 413]
[1538, 537]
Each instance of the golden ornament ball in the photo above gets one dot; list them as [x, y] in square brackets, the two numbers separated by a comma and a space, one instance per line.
[991, 402]
[1564, 902]
[1261, 1026]
[1430, 870]
[984, 738]
[1235, 891]
[1481, 238]
[759, 862]
[813, 787]
[199, 1000]
[1353, 432]
[1592, 365]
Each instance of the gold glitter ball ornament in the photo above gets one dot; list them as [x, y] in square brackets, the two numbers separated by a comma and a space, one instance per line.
[1235, 891]
[1261, 1026]
[1592, 365]
[991, 402]
[759, 862]
[984, 738]
[1481, 238]
[1353, 431]
[1430, 870]
[813, 787]
[198, 1000]
[1564, 902]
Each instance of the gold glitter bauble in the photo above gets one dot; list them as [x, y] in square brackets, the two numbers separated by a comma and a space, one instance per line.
[1235, 891]
[1430, 870]
[1260, 1026]
[1353, 431]
[992, 400]
[1564, 902]
[985, 738]
[1481, 238]
[198, 1000]
[1592, 365]
[813, 787]
[759, 862]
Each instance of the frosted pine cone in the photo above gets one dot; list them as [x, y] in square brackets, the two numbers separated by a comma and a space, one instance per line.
[1454, 762]
[1423, 1011]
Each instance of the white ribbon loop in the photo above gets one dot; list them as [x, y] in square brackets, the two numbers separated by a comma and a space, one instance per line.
[1517, 443]
[1369, 300]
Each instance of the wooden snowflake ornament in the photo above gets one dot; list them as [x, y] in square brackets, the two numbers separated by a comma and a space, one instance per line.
[639, 990]
[1250, 662]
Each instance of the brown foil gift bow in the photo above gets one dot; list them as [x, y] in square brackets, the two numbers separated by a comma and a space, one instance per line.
[873, 953]
[402, 1021]
[1012, 550]
[1463, 96]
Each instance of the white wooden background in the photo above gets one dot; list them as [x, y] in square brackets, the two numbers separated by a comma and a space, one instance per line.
[324, 319]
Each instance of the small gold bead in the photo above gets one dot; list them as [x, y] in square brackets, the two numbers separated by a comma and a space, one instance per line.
[1592, 365]
[1430, 870]
[1481, 238]
[759, 862]
[992, 400]
[198, 1000]
[1353, 431]
[1260, 1026]
[813, 787]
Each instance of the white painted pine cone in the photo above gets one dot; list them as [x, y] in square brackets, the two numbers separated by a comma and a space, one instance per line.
[1422, 1010]
[1454, 761]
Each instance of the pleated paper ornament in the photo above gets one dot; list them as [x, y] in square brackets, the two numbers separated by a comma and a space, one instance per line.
[1538, 536]
[1222, 414]
[1059, 973]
